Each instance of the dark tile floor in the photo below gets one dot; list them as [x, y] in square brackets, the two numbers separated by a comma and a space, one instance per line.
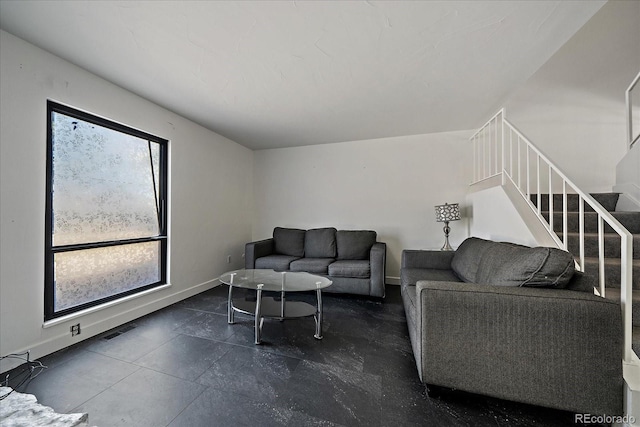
[185, 366]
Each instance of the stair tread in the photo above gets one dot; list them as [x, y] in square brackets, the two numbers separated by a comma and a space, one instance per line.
[606, 234]
[608, 200]
[595, 234]
[611, 261]
[614, 293]
[614, 213]
[612, 244]
[613, 271]
[629, 220]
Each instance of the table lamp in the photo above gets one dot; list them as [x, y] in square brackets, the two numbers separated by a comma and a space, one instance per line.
[446, 213]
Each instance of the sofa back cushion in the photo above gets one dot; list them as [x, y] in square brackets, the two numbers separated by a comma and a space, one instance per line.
[355, 244]
[466, 261]
[508, 264]
[320, 243]
[289, 241]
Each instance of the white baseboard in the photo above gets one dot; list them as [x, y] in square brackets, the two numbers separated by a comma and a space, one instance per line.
[58, 342]
[392, 280]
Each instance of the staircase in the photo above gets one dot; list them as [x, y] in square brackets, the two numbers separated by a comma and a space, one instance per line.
[630, 220]
[605, 242]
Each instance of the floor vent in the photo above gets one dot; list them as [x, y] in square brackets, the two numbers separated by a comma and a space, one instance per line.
[127, 329]
[119, 332]
[111, 336]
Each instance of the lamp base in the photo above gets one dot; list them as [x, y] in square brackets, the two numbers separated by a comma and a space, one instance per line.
[447, 230]
[446, 247]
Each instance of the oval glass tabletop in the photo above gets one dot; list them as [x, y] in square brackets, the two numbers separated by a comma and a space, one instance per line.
[287, 281]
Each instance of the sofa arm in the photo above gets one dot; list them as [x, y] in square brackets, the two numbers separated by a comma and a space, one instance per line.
[377, 263]
[549, 347]
[255, 250]
[438, 260]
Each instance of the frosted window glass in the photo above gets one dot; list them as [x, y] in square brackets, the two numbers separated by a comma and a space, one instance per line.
[103, 183]
[106, 185]
[92, 274]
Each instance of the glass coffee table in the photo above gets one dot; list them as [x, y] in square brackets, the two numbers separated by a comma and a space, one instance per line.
[268, 307]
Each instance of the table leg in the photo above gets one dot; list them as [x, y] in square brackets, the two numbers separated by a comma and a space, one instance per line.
[258, 319]
[318, 316]
[282, 302]
[230, 311]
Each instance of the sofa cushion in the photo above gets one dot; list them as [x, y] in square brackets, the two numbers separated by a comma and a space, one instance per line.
[350, 268]
[275, 262]
[508, 264]
[467, 258]
[320, 243]
[582, 282]
[355, 244]
[289, 241]
[311, 265]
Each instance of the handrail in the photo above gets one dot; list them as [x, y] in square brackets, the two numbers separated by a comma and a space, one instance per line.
[488, 122]
[511, 154]
[632, 139]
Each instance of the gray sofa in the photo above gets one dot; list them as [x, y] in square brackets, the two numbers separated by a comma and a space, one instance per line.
[352, 259]
[524, 326]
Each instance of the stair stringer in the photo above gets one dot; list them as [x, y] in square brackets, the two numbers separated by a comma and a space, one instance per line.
[534, 222]
[529, 218]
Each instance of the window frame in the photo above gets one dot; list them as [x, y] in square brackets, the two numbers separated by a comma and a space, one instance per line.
[51, 250]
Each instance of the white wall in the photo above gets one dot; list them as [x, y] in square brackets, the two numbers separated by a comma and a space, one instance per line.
[210, 199]
[389, 185]
[573, 107]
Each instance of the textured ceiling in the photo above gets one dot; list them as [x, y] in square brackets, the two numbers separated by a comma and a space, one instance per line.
[277, 74]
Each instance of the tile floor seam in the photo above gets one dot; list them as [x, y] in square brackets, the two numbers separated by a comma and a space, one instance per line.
[122, 360]
[103, 391]
[205, 388]
[175, 376]
[151, 351]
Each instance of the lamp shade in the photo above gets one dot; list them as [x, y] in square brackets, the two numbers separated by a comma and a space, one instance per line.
[447, 212]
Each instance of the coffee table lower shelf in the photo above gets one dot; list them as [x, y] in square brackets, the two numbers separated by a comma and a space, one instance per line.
[269, 307]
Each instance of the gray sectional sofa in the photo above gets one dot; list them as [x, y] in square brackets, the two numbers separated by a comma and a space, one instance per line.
[523, 326]
[352, 259]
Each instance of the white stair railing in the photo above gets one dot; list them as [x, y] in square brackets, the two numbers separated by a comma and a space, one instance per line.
[499, 148]
[632, 98]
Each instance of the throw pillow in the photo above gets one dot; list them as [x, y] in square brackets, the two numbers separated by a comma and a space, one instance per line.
[508, 264]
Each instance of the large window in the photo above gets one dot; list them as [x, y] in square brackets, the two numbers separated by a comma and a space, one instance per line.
[106, 211]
